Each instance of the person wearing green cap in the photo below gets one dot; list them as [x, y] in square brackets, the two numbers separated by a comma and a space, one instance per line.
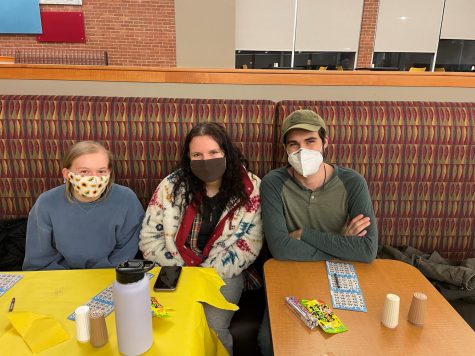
[313, 210]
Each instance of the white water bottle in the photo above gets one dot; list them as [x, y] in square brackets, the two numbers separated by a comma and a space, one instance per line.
[133, 318]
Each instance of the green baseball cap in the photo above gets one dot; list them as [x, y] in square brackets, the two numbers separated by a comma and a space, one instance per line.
[302, 119]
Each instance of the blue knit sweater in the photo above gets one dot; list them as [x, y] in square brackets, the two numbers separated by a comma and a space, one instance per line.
[65, 234]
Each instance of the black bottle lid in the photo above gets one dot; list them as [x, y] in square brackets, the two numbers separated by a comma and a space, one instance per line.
[131, 271]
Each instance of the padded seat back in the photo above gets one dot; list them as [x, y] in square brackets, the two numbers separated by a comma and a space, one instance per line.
[419, 161]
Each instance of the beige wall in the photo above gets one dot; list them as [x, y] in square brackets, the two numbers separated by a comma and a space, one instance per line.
[458, 20]
[234, 91]
[265, 25]
[205, 33]
[320, 25]
[324, 25]
[408, 25]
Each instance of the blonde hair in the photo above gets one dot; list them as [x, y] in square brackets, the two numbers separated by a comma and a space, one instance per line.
[83, 148]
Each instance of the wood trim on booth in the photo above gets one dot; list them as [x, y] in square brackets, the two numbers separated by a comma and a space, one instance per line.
[237, 76]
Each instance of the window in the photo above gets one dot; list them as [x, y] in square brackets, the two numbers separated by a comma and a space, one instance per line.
[262, 59]
[403, 60]
[331, 60]
[302, 60]
[456, 56]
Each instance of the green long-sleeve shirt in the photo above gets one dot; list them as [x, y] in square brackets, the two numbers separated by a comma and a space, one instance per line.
[322, 214]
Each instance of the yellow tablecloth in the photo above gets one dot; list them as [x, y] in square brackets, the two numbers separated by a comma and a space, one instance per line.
[58, 293]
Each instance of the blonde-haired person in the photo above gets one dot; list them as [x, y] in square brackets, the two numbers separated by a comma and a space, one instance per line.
[88, 222]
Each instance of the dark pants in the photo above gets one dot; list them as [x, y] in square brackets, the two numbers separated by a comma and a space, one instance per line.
[264, 338]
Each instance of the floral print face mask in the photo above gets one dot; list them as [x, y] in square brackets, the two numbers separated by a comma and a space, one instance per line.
[89, 186]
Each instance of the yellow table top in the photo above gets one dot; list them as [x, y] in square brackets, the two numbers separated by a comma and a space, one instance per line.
[59, 293]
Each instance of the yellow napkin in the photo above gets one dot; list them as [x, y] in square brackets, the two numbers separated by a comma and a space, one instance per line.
[209, 290]
[39, 331]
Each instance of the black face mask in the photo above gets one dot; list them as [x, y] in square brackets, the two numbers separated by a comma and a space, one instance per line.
[208, 170]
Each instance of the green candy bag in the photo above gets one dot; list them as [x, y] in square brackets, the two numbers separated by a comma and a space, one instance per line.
[327, 320]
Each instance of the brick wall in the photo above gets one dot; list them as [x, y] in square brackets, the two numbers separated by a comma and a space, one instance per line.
[142, 32]
[368, 32]
[133, 32]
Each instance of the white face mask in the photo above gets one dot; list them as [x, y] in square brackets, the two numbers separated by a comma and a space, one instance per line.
[306, 162]
[89, 186]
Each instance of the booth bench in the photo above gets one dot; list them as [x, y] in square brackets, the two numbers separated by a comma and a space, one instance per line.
[417, 157]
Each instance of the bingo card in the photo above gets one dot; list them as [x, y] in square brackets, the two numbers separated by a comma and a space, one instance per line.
[102, 301]
[344, 286]
[7, 281]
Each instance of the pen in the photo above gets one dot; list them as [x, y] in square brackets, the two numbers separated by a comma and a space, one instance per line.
[337, 281]
[12, 305]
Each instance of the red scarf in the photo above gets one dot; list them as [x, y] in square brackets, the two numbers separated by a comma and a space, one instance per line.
[191, 258]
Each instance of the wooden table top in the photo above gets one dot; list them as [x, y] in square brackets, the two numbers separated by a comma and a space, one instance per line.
[444, 331]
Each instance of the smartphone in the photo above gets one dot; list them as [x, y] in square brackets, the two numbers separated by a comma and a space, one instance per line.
[167, 278]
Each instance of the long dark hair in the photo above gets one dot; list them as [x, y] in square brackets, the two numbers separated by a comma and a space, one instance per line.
[189, 186]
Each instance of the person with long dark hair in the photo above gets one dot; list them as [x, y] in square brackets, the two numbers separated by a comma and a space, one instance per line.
[207, 213]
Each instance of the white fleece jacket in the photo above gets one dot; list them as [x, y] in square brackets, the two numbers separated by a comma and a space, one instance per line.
[236, 248]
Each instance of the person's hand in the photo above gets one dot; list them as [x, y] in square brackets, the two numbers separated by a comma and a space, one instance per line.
[296, 234]
[357, 226]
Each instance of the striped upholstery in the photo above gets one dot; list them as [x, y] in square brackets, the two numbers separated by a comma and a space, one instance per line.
[418, 157]
[419, 161]
[250, 124]
[145, 135]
